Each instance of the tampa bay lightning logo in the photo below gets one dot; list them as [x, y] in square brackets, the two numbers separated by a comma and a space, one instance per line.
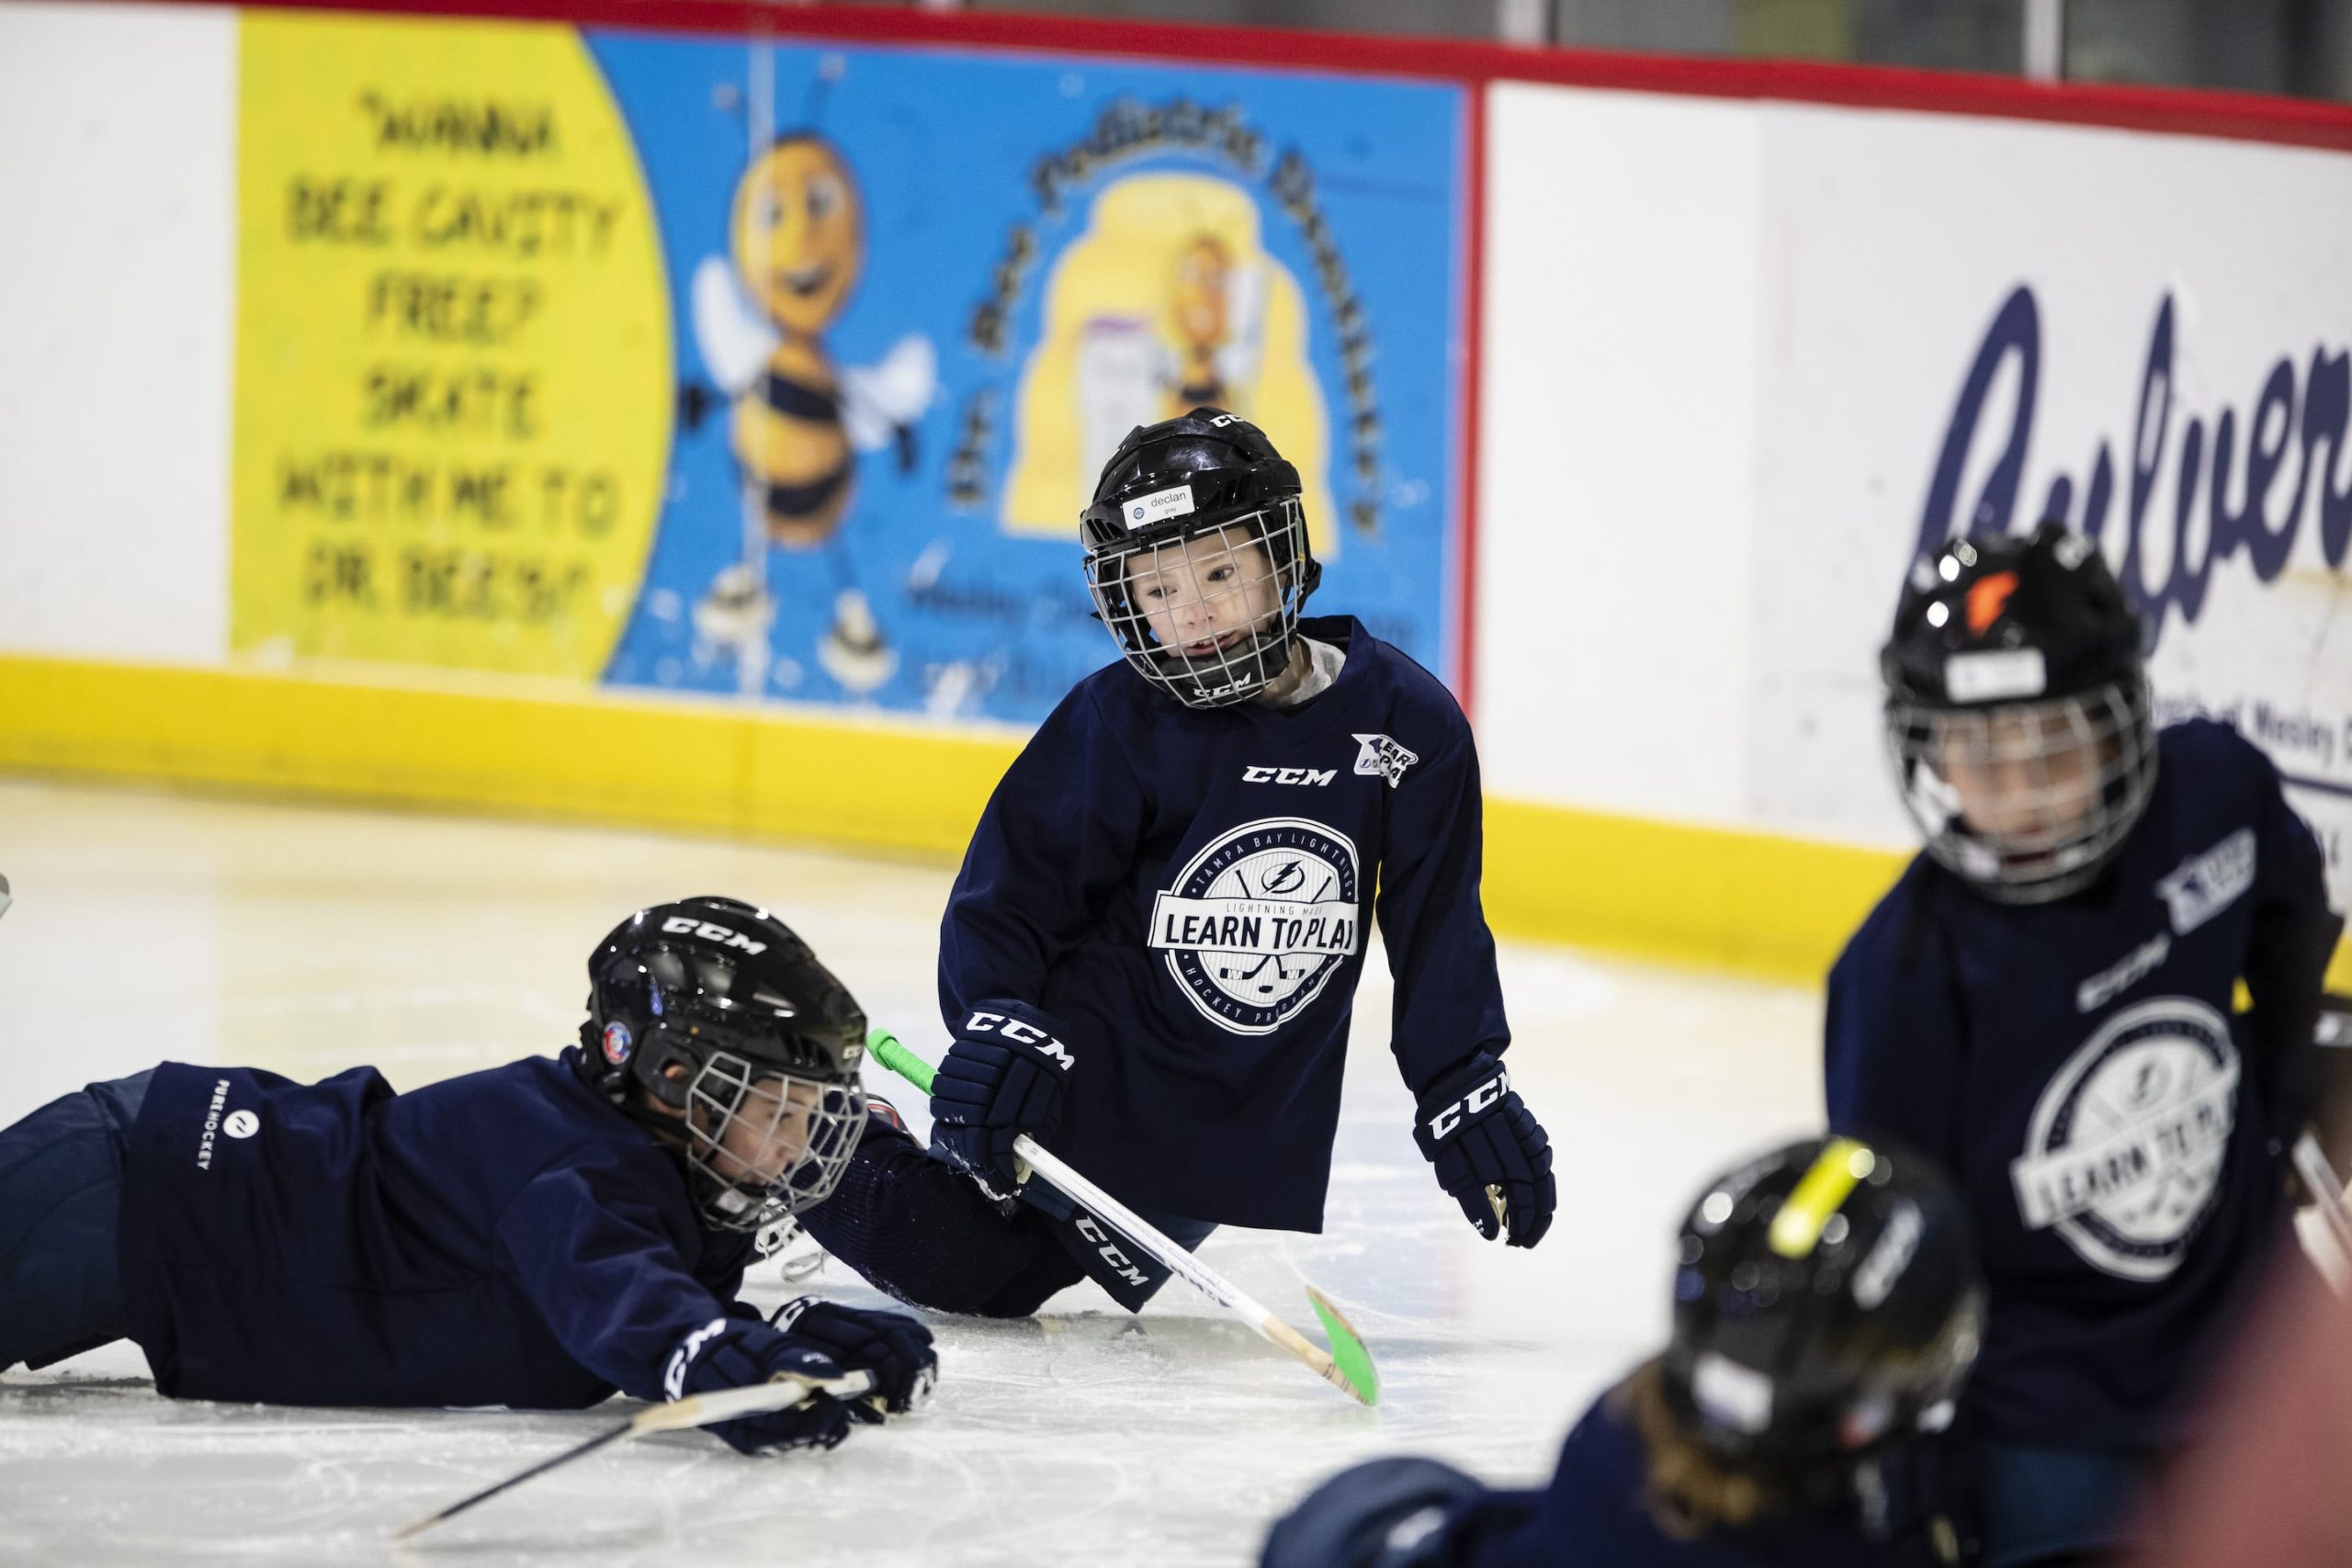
[1260, 921]
[2124, 1155]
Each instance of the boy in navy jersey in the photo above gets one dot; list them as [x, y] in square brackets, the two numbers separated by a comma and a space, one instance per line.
[1826, 1307]
[534, 1235]
[1150, 957]
[2044, 1004]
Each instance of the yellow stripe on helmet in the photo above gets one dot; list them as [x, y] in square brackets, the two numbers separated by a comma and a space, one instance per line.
[1796, 1229]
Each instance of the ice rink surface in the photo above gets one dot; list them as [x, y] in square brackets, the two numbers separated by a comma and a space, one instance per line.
[305, 940]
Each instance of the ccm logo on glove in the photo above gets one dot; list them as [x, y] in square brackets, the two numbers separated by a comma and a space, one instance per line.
[1482, 1098]
[674, 1380]
[1020, 1033]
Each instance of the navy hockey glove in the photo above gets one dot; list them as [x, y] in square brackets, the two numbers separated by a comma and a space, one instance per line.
[892, 1346]
[1472, 1126]
[1002, 1078]
[727, 1352]
[1388, 1512]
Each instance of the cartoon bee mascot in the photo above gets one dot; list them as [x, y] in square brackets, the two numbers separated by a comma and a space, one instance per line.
[1129, 374]
[796, 247]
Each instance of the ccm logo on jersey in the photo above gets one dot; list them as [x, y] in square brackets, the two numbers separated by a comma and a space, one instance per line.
[1289, 776]
[1020, 1033]
[683, 925]
[1482, 1098]
[1109, 1252]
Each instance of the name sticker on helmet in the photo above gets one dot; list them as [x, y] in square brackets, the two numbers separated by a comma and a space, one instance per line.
[1990, 677]
[1157, 507]
[1730, 1394]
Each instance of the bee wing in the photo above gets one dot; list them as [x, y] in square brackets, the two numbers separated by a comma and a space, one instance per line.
[877, 398]
[734, 338]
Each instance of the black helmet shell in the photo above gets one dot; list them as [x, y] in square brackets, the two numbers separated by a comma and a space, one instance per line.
[1186, 478]
[728, 993]
[2008, 618]
[1826, 1301]
[2017, 663]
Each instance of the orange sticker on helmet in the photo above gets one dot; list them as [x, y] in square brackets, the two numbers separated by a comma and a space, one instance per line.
[1986, 598]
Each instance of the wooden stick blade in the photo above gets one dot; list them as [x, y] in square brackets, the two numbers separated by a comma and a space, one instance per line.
[1349, 1357]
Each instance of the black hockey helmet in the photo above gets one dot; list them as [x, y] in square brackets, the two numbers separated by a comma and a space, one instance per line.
[1197, 521]
[1827, 1301]
[720, 1015]
[2017, 717]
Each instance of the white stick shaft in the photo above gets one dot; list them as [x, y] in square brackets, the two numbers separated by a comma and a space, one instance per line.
[1194, 1272]
[2320, 1181]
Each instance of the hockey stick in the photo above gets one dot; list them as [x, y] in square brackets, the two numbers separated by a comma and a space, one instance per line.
[1347, 1366]
[700, 1410]
[2328, 1195]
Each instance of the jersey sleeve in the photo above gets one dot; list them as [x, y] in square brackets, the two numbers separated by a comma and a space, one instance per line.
[1058, 838]
[1593, 1500]
[600, 1261]
[1894, 1032]
[2291, 936]
[1449, 999]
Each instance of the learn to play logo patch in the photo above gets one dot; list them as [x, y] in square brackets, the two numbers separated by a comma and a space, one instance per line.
[1260, 921]
[2124, 1156]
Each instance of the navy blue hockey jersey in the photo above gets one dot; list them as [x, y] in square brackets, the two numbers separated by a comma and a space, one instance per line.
[506, 1237]
[1184, 894]
[2076, 1064]
[1594, 1512]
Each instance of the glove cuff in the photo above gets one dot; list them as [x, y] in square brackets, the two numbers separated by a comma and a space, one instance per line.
[1019, 1027]
[1469, 1093]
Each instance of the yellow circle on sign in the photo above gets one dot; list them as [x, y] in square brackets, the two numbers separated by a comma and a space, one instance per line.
[454, 382]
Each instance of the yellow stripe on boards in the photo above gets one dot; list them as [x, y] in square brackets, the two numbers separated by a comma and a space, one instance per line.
[1722, 898]
[1713, 898]
[1796, 1229]
[695, 764]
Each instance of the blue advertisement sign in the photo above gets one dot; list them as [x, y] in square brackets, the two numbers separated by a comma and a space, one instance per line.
[919, 294]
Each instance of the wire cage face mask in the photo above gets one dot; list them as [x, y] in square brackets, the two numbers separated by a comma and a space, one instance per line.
[765, 1145]
[1210, 618]
[2028, 802]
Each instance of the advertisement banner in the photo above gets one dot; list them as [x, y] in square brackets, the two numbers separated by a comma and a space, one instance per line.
[1978, 326]
[784, 372]
[453, 348]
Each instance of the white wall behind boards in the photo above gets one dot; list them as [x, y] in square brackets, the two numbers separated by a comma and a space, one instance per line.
[1617, 477]
[118, 200]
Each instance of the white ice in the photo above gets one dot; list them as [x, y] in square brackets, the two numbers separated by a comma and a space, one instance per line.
[307, 939]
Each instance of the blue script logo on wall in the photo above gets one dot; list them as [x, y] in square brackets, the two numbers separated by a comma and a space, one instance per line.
[2306, 417]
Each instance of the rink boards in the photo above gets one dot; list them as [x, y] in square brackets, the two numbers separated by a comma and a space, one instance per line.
[1630, 395]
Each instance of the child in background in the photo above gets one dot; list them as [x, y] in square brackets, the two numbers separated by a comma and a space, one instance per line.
[2044, 1004]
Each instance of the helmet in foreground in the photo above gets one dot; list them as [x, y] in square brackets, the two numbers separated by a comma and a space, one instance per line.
[1826, 1301]
[746, 1048]
[1197, 557]
[2018, 716]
